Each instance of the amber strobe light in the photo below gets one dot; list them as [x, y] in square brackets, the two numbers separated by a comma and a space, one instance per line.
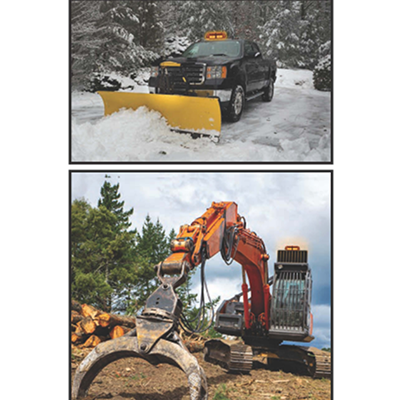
[293, 248]
[220, 35]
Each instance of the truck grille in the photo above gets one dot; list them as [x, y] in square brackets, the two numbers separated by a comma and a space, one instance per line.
[194, 74]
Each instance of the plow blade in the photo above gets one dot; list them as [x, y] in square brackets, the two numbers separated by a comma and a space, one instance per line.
[163, 351]
[187, 114]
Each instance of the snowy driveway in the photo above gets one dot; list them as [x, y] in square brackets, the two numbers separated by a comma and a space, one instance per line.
[295, 126]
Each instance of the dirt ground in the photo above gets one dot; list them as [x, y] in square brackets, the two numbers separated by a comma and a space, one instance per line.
[136, 379]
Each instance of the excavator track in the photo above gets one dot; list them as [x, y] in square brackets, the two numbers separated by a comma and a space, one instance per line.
[241, 359]
[235, 357]
[309, 360]
[322, 368]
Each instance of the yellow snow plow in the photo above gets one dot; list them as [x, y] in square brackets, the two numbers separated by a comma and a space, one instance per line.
[198, 116]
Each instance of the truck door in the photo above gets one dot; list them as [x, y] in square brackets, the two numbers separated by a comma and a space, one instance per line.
[261, 70]
[251, 66]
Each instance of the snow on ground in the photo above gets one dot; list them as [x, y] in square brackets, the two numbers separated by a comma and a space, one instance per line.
[295, 126]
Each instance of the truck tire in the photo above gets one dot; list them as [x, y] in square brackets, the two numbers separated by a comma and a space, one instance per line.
[236, 104]
[269, 92]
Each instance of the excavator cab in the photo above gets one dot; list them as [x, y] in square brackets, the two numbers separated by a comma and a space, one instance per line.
[290, 312]
[291, 317]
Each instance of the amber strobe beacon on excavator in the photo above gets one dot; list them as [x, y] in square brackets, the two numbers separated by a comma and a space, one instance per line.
[212, 77]
[268, 311]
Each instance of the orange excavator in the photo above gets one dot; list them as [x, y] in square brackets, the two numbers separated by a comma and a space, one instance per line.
[278, 309]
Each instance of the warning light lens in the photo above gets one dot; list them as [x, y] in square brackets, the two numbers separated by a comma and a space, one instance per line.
[292, 248]
[221, 35]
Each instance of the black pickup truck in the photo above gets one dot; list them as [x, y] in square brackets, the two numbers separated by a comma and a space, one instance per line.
[233, 70]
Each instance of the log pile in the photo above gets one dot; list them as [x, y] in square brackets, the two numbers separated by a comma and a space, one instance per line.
[90, 326]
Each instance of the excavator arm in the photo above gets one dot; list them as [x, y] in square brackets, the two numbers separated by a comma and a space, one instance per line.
[222, 230]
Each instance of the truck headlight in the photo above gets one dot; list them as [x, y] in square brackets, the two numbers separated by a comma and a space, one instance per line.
[216, 72]
[154, 72]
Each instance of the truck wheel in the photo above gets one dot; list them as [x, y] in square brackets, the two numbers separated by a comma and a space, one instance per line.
[236, 104]
[269, 92]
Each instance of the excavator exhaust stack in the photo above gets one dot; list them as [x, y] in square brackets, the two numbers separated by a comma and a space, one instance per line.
[197, 116]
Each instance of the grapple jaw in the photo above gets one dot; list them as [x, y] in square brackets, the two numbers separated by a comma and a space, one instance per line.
[164, 351]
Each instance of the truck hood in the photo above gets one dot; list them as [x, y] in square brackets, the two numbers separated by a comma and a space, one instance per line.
[205, 60]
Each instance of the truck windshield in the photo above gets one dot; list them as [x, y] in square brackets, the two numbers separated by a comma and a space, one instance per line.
[226, 48]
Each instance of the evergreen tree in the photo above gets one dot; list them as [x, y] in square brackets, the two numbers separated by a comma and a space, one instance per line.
[109, 199]
[150, 26]
[105, 38]
[152, 248]
[86, 41]
[195, 18]
[292, 32]
[102, 257]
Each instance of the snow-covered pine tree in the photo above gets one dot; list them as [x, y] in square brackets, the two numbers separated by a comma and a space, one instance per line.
[244, 17]
[293, 31]
[86, 42]
[314, 30]
[105, 40]
[322, 74]
[195, 18]
[280, 32]
[150, 27]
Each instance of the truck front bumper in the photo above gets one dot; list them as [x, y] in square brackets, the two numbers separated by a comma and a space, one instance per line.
[224, 95]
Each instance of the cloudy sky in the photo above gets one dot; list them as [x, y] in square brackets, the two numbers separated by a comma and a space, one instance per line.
[282, 208]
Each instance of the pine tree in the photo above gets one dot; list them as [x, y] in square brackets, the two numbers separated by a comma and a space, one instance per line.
[102, 255]
[152, 248]
[150, 26]
[195, 18]
[109, 199]
[105, 38]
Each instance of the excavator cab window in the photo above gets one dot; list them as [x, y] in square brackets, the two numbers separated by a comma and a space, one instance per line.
[291, 299]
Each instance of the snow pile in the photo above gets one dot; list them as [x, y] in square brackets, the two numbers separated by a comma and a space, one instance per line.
[126, 135]
[299, 79]
[144, 135]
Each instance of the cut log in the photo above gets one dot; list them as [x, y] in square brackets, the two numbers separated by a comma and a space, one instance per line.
[88, 325]
[77, 338]
[76, 306]
[79, 330]
[93, 341]
[90, 311]
[112, 320]
[118, 331]
[76, 317]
